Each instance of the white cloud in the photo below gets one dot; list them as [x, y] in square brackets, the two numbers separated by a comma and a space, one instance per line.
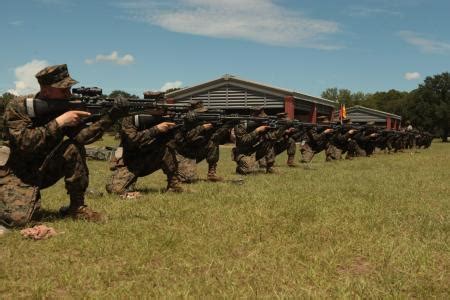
[171, 85]
[26, 82]
[412, 75]
[113, 58]
[16, 23]
[361, 11]
[262, 21]
[425, 45]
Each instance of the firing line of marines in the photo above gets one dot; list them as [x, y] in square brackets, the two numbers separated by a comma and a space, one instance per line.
[46, 135]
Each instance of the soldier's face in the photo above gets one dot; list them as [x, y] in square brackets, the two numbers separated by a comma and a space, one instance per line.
[56, 93]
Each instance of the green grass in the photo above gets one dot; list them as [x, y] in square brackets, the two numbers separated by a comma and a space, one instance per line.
[373, 227]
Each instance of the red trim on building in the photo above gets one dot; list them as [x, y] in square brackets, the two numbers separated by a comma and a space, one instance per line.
[289, 106]
[388, 123]
[313, 114]
[395, 124]
[170, 101]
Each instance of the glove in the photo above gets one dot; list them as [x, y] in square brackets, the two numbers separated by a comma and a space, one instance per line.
[119, 109]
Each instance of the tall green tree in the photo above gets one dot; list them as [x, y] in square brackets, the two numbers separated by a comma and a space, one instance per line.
[117, 93]
[430, 106]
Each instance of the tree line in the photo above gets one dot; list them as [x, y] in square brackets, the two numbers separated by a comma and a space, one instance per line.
[427, 107]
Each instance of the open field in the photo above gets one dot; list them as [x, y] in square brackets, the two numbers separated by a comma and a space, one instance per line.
[372, 227]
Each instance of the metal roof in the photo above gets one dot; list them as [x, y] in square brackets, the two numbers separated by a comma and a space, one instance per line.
[372, 111]
[256, 86]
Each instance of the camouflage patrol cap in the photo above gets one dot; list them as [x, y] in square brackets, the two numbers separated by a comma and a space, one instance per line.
[258, 111]
[322, 119]
[197, 106]
[55, 76]
[154, 95]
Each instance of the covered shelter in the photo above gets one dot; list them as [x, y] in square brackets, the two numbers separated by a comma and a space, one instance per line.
[237, 95]
[361, 114]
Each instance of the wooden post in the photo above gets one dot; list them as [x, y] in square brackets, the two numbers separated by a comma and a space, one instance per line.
[388, 123]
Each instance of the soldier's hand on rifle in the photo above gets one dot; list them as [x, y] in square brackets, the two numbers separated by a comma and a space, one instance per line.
[374, 134]
[352, 131]
[120, 108]
[328, 130]
[165, 126]
[71, 118]
[290, 130]
[262, 128]
[207, 126]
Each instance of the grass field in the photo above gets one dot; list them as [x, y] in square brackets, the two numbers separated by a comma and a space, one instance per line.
[373, 227]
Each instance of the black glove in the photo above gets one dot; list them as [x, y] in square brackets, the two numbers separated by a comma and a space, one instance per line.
[119, 109]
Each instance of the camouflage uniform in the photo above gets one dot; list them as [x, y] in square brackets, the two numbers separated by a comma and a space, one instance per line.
[286, 143]
[252, 146]
[196, 143]
[40, 157]
[144, 152]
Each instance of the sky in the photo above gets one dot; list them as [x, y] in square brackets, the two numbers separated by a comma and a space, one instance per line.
[305, 46]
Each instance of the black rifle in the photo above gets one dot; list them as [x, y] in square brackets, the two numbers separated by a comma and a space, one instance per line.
[92, 100]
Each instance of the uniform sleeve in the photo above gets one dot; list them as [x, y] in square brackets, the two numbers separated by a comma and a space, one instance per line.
[93, 132]
[139, 138]
[23, 135]
[243, 138]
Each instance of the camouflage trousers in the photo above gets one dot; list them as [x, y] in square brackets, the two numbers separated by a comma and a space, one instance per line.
[307, 152]
[20, 191]
[332, 153]
[126, 170]
[354, 150]
[279, 147]
[247, 164]
[187, 166]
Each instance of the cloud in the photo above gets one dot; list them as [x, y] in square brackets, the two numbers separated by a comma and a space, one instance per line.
[361, 11]
[16, 23]
[113, 57]
[171, 85]
[412, 75]
[261, 21]
[425, 45]
[26, 82]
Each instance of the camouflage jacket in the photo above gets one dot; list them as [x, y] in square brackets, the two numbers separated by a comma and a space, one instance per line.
[136, 141]
[32, 140]
[247, 138]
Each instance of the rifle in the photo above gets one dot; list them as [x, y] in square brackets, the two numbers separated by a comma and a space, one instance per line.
[215, 117]
[92, 100]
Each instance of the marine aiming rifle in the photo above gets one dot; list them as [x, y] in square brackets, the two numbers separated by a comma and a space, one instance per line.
[92, 100]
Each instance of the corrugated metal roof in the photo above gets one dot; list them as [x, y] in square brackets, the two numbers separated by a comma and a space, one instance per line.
[243, 83]
[376, 112]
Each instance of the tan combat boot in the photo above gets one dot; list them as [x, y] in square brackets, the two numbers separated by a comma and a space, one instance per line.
[270, 169]
[291, 161]
[212, 175]
[174, 184]
[81, 213]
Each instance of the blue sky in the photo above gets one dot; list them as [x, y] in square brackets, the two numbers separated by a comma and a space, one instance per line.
[307, 46]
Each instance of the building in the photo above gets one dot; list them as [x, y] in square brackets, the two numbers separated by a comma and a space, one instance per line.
[361, 114]
[236, 95]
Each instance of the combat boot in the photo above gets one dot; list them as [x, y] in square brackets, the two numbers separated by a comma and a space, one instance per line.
[212, 175]
[174, 184]
[291, 161]
[81, 213]
[270, 169]
[78, 210]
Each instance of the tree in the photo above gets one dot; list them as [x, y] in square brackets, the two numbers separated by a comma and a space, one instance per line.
[430, 106]
[117, 93]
